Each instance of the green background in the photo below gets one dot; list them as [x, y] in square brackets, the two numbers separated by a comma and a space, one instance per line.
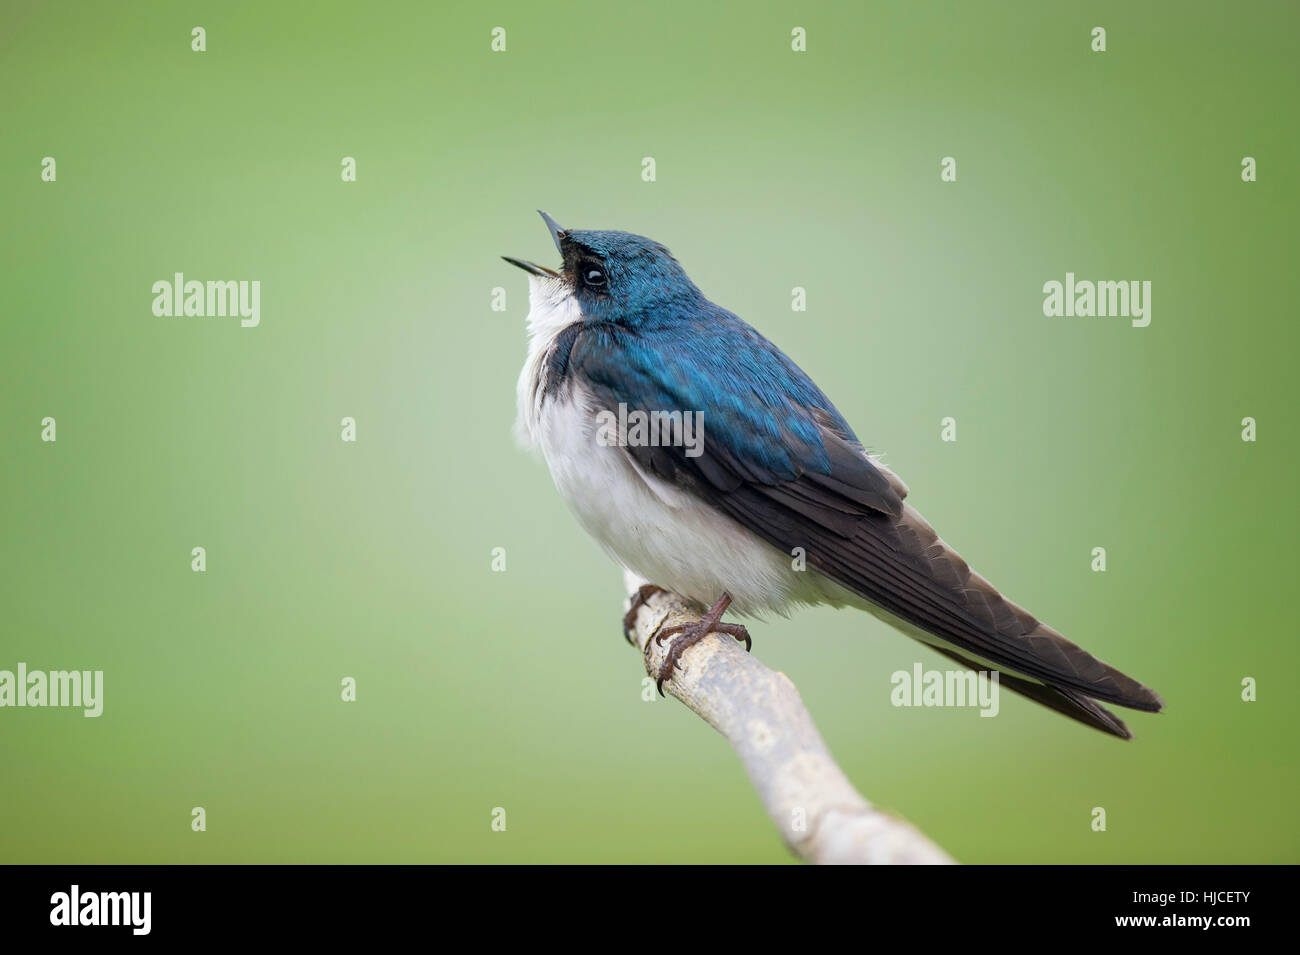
[775, 169]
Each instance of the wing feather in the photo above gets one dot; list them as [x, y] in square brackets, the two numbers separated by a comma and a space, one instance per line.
[793, 473]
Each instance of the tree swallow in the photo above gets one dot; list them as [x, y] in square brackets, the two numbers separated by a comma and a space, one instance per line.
[622, 347]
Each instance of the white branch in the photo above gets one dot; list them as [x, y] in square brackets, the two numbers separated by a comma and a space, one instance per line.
[819, 814]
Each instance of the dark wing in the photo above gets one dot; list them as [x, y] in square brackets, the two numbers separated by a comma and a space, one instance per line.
[793, 473]
[1072, 703]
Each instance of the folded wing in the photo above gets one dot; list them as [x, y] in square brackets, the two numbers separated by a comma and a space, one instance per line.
[781, 461]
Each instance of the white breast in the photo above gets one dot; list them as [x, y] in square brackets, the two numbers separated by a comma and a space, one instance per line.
[652, 528]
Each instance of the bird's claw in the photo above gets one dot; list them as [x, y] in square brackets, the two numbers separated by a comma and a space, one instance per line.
[690, 634]
[643, 593]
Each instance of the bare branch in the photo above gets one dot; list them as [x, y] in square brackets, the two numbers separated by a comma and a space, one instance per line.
[819, 814]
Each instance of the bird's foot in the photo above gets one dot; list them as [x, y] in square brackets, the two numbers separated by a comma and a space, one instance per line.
[689, 634]
[643, 593]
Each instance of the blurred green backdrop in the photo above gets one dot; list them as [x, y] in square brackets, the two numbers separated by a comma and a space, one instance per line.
[775, 169]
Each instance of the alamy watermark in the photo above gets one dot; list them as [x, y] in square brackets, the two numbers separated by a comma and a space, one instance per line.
[651, 429]
[921, 687]
[194, 299]
[76, 907]
[70, 688]
[1084, 299]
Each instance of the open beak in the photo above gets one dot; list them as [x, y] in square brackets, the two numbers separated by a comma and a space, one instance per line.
[532, 268]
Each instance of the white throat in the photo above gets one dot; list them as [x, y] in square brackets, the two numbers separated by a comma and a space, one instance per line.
[552, 308]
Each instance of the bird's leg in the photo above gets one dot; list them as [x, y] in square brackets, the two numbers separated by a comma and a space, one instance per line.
[643, 593]
[693, 633]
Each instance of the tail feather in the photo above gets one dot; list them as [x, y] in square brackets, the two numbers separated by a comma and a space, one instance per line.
[1067, 702]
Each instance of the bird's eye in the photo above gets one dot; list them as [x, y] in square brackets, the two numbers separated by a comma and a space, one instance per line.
[593, 276]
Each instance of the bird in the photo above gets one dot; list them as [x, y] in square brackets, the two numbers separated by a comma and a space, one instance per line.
[620, 330]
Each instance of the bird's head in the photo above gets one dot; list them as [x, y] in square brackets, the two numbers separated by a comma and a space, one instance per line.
[611, 276]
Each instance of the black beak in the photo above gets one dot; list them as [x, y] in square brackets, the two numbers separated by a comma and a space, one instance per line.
[532, 268]
[557, 233]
